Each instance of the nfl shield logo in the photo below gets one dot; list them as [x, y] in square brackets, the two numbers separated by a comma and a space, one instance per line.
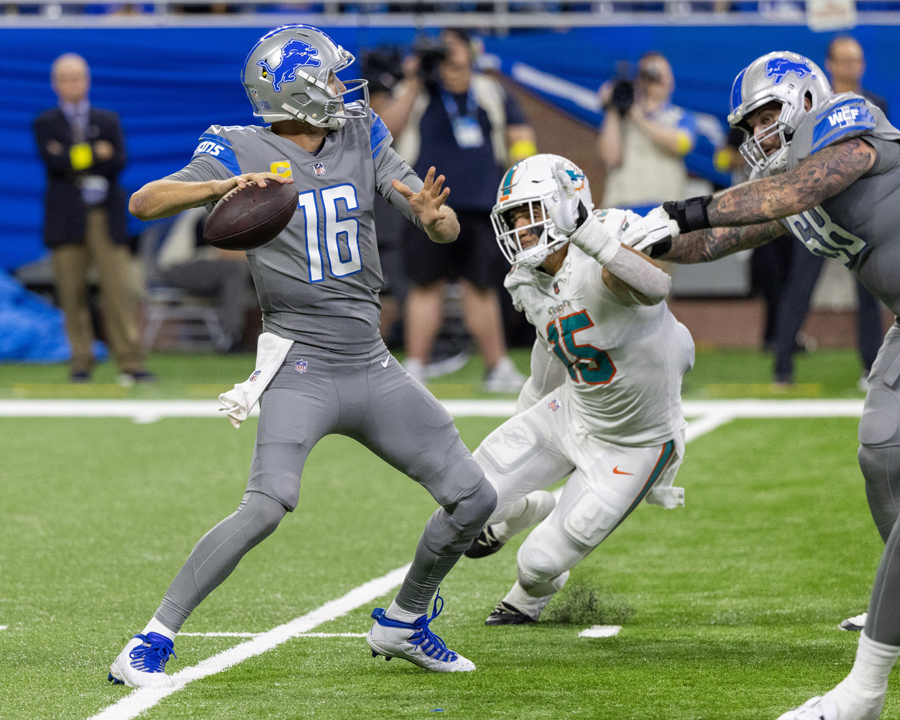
[319, 168]
[256, 374]
[554, 405]
[301, 366]
[556, 288]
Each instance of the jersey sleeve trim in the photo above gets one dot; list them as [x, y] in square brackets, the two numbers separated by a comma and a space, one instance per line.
[216, 147]
[378, 134]
[850, 117]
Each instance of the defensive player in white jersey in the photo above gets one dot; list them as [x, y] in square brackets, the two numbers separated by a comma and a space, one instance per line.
[322, 362]
[603, 402]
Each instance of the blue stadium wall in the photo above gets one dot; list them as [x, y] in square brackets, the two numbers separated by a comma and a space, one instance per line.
[170, 84]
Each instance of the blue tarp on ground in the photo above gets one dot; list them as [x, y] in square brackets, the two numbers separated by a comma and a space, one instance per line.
[170, 84]
[31, 329]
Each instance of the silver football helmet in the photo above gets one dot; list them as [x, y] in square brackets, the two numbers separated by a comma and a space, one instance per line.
[784, 77]
[291, 74]
[530, 184]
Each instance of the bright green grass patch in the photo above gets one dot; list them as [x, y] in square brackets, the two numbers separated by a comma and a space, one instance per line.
[729, 605]
[717, 374]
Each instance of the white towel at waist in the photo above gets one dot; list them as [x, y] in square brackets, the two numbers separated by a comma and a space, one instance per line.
[270, 353]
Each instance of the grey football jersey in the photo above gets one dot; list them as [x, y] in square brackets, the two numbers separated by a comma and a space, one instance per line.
[860, 225]
[318, 281]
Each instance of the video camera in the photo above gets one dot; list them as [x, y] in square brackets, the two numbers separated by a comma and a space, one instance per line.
[431, 51]
[623, 88]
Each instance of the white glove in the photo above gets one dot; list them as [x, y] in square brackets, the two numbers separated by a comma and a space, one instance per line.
[577, 223]
[655, 227]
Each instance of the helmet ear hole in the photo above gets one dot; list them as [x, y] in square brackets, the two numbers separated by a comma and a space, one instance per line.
[301, 98]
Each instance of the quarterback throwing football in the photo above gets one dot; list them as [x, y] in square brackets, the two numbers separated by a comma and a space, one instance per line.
[603, 402]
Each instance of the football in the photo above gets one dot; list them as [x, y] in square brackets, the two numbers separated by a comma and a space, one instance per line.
[249, 217]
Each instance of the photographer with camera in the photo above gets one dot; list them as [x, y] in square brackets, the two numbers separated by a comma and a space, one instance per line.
[644, 137]
[446, 114]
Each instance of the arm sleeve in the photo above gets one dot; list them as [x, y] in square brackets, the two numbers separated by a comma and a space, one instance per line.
[390, 166]
[547, 373]
[201, 168]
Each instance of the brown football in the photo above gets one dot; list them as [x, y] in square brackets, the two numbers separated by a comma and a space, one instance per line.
[249, 217]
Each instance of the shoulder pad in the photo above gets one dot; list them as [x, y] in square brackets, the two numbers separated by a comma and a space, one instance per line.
[840, 118]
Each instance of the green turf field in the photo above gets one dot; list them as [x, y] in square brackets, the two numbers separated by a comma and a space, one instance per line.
[729, 606]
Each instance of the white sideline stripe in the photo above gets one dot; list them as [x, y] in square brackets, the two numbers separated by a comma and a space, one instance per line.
[253, 635]
[704, 424]
[601, 631]
[144, 698]
[152, 410]
[3, 627]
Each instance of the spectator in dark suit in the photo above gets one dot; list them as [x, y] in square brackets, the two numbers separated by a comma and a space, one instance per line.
[85, 220]
[845, 65]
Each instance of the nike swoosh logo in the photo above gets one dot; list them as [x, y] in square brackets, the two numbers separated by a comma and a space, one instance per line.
[616, 471]
[385, 362]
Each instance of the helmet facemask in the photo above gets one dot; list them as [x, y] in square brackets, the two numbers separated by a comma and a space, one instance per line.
[752, 148]
[534, 210]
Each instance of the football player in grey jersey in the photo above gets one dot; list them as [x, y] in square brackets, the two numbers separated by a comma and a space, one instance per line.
[827, 171]
[318, 284]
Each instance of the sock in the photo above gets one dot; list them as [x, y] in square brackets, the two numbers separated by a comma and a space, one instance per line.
[874, 660]
[395, 612]
[533, 605]
[156, 626]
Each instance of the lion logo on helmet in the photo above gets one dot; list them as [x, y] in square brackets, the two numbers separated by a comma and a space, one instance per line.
[294, 54]
[778, 69]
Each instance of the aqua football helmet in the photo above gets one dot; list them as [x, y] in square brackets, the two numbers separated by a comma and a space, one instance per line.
[530, 184]
[783, 77]
[291, 74]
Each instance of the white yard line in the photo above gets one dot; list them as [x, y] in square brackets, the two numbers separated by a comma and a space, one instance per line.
[253, 634]
[3, 627]
[596, 631]
[144, 698]
[151, 410]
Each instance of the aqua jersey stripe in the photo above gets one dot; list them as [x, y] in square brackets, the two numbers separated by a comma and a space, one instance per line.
[664, 457]
[379, 133]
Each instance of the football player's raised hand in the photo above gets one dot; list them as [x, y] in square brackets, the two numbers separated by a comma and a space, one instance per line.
[655, 228]
[568, 213]
[428, 202]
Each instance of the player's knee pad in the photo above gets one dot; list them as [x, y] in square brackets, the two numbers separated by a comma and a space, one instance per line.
[546, 554]
[263, 512]
[452, 529]
[590, 519]
[881, 469]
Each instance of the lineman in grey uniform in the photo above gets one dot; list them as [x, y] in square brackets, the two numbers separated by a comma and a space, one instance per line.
[318, 284]
[827, 170]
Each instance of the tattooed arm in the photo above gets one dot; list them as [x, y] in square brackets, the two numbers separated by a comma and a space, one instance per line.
[708, 245]
[815, 179]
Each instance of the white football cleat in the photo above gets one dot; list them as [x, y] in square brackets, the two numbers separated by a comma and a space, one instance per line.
[143, 662]
[817, 708]
[855, 623]
[837, 704]
[415, 642]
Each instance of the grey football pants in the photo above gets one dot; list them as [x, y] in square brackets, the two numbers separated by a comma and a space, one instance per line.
[374, 401]
[879, 459]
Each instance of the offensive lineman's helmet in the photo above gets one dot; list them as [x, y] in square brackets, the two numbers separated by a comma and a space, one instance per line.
[531, 183]
[783, 77]
[288, 76]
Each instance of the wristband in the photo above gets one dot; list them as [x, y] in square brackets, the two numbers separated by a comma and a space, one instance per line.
[690, 214]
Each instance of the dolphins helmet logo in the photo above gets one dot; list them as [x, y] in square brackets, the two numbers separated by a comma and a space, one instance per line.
[577, 178]
[778, 69]
[294, 54]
